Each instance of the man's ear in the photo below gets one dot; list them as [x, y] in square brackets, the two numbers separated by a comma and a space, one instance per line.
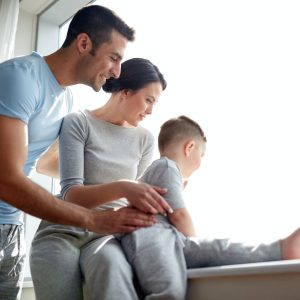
[188, 147]
[84, 43]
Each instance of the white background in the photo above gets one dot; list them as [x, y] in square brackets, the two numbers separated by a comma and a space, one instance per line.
[234, 67]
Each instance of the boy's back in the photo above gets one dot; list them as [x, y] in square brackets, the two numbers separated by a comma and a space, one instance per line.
[165, 173]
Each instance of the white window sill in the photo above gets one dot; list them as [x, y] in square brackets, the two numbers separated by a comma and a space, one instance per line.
[27, 283]
[286, 266]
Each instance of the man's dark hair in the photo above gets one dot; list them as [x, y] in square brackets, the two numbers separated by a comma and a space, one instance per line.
[97, 22]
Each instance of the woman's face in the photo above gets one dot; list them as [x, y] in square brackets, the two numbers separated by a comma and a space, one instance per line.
[138, 104]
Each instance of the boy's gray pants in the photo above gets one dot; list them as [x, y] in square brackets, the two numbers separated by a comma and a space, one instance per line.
[160, 256]
[67, 262]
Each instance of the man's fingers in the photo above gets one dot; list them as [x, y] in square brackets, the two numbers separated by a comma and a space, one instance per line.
[133, 217]
[127, 229]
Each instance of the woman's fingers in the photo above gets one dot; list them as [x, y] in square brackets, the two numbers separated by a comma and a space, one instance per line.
[160, 203]
[147, 198]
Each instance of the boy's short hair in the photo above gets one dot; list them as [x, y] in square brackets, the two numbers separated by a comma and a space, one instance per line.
[97, 22]
[177, 129]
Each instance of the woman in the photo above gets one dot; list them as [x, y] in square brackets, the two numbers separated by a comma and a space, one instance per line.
[97, 149]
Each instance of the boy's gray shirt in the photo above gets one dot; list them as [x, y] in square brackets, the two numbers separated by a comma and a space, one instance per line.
[89, 152]
[165, 173]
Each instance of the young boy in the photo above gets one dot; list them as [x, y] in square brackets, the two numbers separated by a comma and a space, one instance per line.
[161, 254]
[156, 253]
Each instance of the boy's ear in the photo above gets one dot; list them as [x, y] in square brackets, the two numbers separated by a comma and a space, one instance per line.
[188, 147]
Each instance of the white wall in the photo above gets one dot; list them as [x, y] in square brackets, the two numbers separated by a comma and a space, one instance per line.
[25, 36]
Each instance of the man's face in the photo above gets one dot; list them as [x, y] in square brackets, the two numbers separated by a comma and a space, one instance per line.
[104, 63]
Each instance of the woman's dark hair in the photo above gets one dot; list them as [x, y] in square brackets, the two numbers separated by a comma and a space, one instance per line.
[135, 74]
[97, 22]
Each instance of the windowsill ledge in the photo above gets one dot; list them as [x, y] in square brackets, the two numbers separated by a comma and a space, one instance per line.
[274, 267]
[27, 283]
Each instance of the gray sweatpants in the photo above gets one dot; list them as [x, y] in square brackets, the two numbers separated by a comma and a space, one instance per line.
[160, 256]
[12, 257]
[68, 262]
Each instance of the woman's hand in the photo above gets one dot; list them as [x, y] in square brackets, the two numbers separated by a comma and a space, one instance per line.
[145, 197]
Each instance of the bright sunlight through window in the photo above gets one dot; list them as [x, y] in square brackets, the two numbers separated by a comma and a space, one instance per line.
[234, 66]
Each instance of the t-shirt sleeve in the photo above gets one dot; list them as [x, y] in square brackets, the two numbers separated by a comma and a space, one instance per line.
[19, 91]
[172, 181]
[167, 176]
[71, 151]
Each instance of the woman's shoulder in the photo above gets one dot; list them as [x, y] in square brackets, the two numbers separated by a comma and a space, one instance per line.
[75, 118]
[76, 115]
[145, 132]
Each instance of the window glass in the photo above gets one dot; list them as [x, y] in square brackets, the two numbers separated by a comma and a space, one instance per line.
[234, 67]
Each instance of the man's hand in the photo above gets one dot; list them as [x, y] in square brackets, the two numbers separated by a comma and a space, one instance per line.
[123, 220]
[145, 197]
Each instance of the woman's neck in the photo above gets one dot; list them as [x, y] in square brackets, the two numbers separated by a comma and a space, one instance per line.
[110, 112]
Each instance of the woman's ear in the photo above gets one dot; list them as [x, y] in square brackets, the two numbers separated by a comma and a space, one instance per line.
[125, 93]
[188, 147]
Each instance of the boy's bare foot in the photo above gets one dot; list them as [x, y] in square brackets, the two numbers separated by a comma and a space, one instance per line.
[290, 246]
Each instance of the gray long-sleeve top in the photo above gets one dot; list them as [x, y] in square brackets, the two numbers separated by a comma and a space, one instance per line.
[94, 151]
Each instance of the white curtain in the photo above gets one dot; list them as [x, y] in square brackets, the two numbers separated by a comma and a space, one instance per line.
[9, 11]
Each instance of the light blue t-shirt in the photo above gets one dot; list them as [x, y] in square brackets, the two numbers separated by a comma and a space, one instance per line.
[30, 92]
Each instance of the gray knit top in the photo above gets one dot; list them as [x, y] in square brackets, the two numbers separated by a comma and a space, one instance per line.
[94, 151]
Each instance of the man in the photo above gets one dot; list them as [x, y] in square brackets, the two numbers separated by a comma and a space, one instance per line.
[33, 100]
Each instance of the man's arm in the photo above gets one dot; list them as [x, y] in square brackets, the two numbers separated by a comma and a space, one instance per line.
[19, 191]
[182, 220]
[48, 162]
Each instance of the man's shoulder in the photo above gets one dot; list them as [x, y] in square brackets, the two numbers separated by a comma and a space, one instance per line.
[23, 61]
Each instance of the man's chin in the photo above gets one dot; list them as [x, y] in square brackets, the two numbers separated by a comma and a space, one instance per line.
[96, 88]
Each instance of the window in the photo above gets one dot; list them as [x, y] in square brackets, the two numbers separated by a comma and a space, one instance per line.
[234, 67]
